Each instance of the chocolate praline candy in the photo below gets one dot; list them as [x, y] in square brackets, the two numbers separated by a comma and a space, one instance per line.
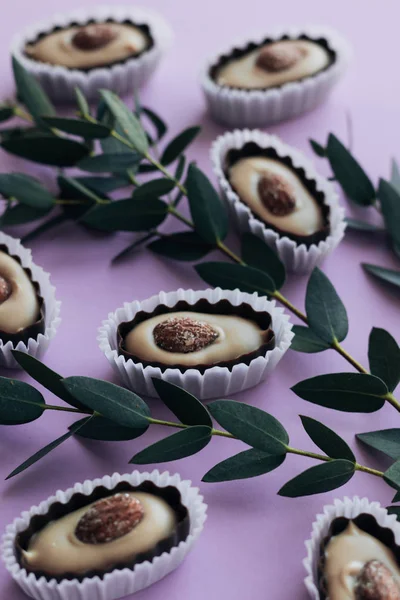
[196, 336]
[90, 46]
[105, 531]
[21, 307]
[359, 560]
[278, 194]
[272, 63]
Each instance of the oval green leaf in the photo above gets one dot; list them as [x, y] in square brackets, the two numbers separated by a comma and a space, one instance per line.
[154, 188]
[25, 189]
[185, 406]
[390, 204]
[326, 313]
[112, 402]
[385, 440]
[184, 245]
[363, 226]
[392, 475]
[19, 402]
[79, 127]
[317, 480]
[179, 145]
[179, 445]
[305, 340]
[387, 275]
[127, 215]
[350, 175]
[47, 150]
[20, 214]
[384, 357]
[250, 463]
[99, 428]
[31, 93]
[318, 149]
[348, 392]
[257, 254]
[209, 215]
[116, 162]
[130, 125]
[327, 440]
[251, 425]
[231, 276]
[157, 121]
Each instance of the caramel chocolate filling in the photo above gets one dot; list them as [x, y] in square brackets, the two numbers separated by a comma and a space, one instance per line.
[19, 302]
[348, 558]
[89, 46]
[96, 537]
[276, 195]
[273, 64]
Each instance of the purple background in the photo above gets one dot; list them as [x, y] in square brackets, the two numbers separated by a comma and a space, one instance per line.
[253, 543]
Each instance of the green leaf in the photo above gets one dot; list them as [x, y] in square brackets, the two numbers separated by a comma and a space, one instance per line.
[318, 149]
[82, 102]
[109, 163]
[103, 185]
[80, 127]
[127, 215]
[25, 189]
[43, 149]
[47, 449]
[231, 276]
[153, 189]
[349, 392]
[180, 168]
[257, 254]
[395, 176]
[250, 463]
[319, 479]
[48, 378]
[31, 93]
[179, 445]
[326, 313]
[183, 405]
[208, 213]
[385, 440]
[20, 214]
[305, 340]
[185, 245]
[251, 425]
[6, 112]
[19, 402]
[130, 125]
[363, 226]
[386, 275]
[179, 145]
[327, 440]
[113, 402]
[384, 357]
[349, 174]
[390, 205]
[77, 186]
[394, 510]
[392, 475]
[156, 120]
[99, 428]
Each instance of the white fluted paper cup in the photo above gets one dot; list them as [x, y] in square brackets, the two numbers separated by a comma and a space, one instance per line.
[119, 582]
[350, 508]
[214, 381]
[60, 82]
[257, 108]
[297, 258]
[36, 346]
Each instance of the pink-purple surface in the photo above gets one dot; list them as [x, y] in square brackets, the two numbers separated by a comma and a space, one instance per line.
[253, 543]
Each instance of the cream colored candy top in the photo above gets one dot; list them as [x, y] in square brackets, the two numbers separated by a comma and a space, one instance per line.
[243, 72]
[58, 48]
[346, 555]
[244, 176]
[56, 550]
[236, 336]
[21, 308]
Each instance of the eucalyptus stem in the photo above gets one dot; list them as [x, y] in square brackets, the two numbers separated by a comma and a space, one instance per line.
[225, 434]
[336, 346]
[22, 114]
